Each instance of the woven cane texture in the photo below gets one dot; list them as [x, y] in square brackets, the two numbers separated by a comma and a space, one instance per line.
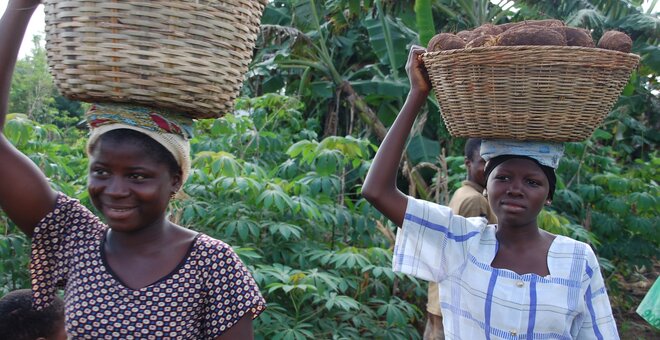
[549, 93]
[185, 55]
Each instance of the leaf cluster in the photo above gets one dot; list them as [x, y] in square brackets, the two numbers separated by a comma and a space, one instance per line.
[292, 204]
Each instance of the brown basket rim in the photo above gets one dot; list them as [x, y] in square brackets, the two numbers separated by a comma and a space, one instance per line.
[530, 48]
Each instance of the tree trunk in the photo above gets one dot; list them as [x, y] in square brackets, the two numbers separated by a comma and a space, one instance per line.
[369, 117]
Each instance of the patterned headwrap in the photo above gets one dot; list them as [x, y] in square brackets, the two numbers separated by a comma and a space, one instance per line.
[170, 129]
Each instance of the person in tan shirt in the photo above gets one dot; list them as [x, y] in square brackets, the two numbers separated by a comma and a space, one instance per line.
[467, 201]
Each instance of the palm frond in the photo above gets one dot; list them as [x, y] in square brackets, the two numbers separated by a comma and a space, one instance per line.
[279, 34]
[587, 18]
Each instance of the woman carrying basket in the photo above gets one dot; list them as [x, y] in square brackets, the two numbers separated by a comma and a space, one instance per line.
[137, 275]
[506, 281]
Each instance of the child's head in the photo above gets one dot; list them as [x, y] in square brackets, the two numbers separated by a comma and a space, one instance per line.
[19, 321]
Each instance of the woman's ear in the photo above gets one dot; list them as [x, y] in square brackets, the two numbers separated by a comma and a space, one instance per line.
[176, 183]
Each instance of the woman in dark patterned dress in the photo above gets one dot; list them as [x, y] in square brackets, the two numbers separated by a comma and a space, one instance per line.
[137, 274]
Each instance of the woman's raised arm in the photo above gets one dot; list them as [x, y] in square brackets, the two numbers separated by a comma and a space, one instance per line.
[380, 185]
[25, 194]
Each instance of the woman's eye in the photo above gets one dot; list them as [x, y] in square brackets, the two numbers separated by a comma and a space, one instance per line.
[138, 177]
[533, 183]
[501, 178]
[99, 172]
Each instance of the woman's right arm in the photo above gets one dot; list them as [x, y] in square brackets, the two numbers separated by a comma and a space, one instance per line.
[25, 195]
[380, 185]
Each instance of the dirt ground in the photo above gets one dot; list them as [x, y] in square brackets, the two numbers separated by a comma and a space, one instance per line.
[633, 327]
[625, 302]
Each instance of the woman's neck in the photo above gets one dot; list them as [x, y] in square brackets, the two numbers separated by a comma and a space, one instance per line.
[519, 237]
[142, 240]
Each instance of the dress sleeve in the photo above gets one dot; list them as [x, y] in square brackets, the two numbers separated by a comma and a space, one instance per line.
[598, 322]
[433, 241]
[232, 292]
[53, 243]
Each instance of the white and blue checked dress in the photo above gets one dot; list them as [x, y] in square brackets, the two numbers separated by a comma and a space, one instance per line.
[482, 302]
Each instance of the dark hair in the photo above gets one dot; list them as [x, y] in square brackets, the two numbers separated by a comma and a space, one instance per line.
[152, 148]
[472, 145]
[548, 171]
[19, 321]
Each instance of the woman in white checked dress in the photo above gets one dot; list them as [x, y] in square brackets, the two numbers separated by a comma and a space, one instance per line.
[512, 280]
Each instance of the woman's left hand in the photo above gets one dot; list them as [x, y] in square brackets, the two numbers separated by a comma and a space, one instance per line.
[417, 72]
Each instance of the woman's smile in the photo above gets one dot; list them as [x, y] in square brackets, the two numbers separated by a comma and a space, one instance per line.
[117, 213]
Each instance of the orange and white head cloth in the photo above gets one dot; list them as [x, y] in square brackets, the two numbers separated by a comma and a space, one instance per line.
[171, 130]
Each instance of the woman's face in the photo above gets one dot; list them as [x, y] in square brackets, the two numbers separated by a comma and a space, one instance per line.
[517, 190]
[129, 187]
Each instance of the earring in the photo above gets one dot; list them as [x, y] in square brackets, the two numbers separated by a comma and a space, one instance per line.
[485, 193]
[548, 202]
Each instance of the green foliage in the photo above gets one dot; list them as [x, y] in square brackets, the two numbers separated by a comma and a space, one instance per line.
[425, 26]
[618, 205]
[55, 148]
[292, 201]
[14, 258]
[58, 153]
[288, 201]
[33, 92]
[289, 206]
[386, 34]
[460, 15]
[365, 47]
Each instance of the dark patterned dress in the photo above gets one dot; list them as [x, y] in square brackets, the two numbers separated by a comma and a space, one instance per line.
[208, 292]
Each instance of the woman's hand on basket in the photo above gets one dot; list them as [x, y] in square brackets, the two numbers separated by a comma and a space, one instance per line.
[417, 73]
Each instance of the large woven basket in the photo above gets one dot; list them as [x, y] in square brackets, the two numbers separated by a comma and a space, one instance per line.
[186, 55]
[527, 92]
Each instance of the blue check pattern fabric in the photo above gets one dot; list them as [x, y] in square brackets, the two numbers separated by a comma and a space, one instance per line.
[482, 302]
